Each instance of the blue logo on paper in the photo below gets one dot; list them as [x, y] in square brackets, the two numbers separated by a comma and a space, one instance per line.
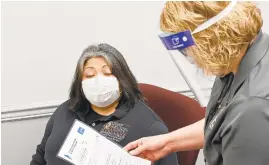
[81, 130]
[68, 157]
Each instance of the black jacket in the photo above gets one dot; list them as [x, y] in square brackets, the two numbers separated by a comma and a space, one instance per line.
[125, 125]
[237, 117]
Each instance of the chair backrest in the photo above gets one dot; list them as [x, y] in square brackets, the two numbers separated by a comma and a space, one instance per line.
[176, 111]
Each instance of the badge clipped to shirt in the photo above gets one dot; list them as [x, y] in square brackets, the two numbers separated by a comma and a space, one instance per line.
[85, 146]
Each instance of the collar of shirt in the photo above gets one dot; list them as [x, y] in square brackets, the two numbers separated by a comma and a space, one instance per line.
[252, 57]
[91, 116]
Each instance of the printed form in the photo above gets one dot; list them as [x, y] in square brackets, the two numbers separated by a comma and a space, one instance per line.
[85, 146]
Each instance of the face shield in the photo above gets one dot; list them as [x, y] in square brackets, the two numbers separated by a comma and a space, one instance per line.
[177, 44]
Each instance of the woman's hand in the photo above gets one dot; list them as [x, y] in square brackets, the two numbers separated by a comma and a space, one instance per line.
[156, 147]
[152, 148]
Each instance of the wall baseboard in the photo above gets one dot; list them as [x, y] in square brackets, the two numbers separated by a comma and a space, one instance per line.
[35, 111]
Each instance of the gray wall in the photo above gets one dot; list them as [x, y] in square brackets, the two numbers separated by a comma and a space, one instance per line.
[41, 42]
[19, 140]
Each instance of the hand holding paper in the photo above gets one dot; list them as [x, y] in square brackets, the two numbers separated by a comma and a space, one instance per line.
[85, 146]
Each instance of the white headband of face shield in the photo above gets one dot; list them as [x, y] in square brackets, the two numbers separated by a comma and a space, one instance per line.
[180, 64]
[216, 18]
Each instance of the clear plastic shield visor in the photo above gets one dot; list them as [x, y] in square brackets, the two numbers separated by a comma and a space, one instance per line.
[176, 45]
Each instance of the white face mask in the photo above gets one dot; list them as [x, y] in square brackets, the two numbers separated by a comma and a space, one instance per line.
[100, 90]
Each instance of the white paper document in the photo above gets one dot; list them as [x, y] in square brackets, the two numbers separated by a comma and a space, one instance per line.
[85, 146]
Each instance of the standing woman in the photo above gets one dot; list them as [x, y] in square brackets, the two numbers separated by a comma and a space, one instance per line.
[224, 39]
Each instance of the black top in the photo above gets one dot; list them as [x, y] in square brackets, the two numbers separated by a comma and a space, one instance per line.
[237, 116]
[123, 126]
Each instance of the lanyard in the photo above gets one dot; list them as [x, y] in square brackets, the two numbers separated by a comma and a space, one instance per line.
[225, 89]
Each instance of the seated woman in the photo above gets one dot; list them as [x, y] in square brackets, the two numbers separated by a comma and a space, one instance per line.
[104, 95]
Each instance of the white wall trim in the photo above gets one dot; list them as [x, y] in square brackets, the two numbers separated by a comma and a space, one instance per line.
[39, 110]
[32, 111]
[45, 105]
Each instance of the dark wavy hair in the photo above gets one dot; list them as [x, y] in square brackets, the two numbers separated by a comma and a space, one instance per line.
[120, 69]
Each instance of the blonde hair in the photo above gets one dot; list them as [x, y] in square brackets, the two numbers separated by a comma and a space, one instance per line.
[219, 47]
